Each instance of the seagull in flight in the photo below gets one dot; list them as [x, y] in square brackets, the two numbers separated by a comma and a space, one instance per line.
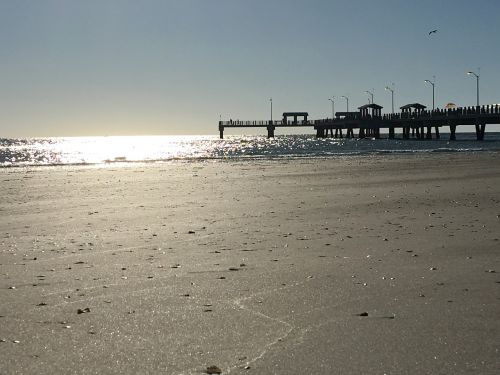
[432, 32]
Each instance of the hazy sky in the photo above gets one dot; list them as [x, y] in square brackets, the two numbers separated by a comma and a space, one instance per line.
[111, 67]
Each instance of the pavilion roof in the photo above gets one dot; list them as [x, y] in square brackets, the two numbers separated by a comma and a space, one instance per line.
[413, 105]
[371, 105]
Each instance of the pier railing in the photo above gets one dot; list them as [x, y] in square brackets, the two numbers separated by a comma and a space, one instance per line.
[263, 123]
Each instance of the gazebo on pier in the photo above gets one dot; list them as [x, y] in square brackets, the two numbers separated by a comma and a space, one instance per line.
[370, 111]
[294, 115]
[415, 110]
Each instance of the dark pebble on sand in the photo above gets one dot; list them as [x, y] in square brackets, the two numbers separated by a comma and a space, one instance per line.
[213, 370]
[83, 311]
[363, 314]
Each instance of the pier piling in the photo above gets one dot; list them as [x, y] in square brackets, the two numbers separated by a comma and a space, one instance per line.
[221, 130]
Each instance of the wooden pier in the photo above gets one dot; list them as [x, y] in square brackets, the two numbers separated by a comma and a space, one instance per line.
[414, 121]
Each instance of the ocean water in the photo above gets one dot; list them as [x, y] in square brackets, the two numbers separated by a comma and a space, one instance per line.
[150, 149]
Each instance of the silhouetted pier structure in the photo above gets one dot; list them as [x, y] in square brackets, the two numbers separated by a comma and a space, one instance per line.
[414, 121]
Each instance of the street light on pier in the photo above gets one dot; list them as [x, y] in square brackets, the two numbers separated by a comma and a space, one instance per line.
[271, 100]
[433, 83]
[371, 94]
[332, 99]
[347, 100]
[391, 89]
[477, 84]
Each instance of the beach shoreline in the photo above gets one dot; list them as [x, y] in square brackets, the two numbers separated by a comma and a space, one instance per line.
[373, 264]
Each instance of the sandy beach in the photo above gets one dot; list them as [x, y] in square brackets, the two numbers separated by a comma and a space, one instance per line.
[355, 265]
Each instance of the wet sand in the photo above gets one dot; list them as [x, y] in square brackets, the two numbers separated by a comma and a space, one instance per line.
[362, 265]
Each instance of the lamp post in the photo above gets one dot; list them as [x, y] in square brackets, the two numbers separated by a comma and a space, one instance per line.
[332, 99]
[477, 85]
[271, 100]
[371, 94]
[391, 89]
[347, 100]
[433, 83]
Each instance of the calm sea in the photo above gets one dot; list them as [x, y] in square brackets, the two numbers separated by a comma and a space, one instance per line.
[141, 149]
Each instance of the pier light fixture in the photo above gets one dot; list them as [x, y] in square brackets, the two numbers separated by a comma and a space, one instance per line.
[391, 89]
[347, 101]
[433, 83]
[477, 85]
[271, 101]
[371, 95]
[332, 99]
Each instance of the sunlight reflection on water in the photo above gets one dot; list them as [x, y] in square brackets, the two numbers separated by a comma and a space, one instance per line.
[114, 150]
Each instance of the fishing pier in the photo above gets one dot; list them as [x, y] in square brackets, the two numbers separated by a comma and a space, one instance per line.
[414, 121]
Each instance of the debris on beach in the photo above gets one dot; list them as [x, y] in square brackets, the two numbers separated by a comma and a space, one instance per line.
[191, 232]
[363, 314]
[83, 311]
[234, 269]
[433, 268]
[213, 370]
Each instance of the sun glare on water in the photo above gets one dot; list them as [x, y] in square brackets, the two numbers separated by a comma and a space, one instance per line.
[96, 150]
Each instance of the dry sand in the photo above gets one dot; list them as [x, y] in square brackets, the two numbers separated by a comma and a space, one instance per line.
[257, 267]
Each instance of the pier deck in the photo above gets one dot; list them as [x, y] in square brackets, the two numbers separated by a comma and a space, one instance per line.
[412, 124]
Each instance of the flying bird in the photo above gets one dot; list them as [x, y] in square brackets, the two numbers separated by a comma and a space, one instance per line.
[432, 32]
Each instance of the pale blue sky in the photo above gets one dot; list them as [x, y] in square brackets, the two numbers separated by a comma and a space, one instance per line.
[111, 67]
